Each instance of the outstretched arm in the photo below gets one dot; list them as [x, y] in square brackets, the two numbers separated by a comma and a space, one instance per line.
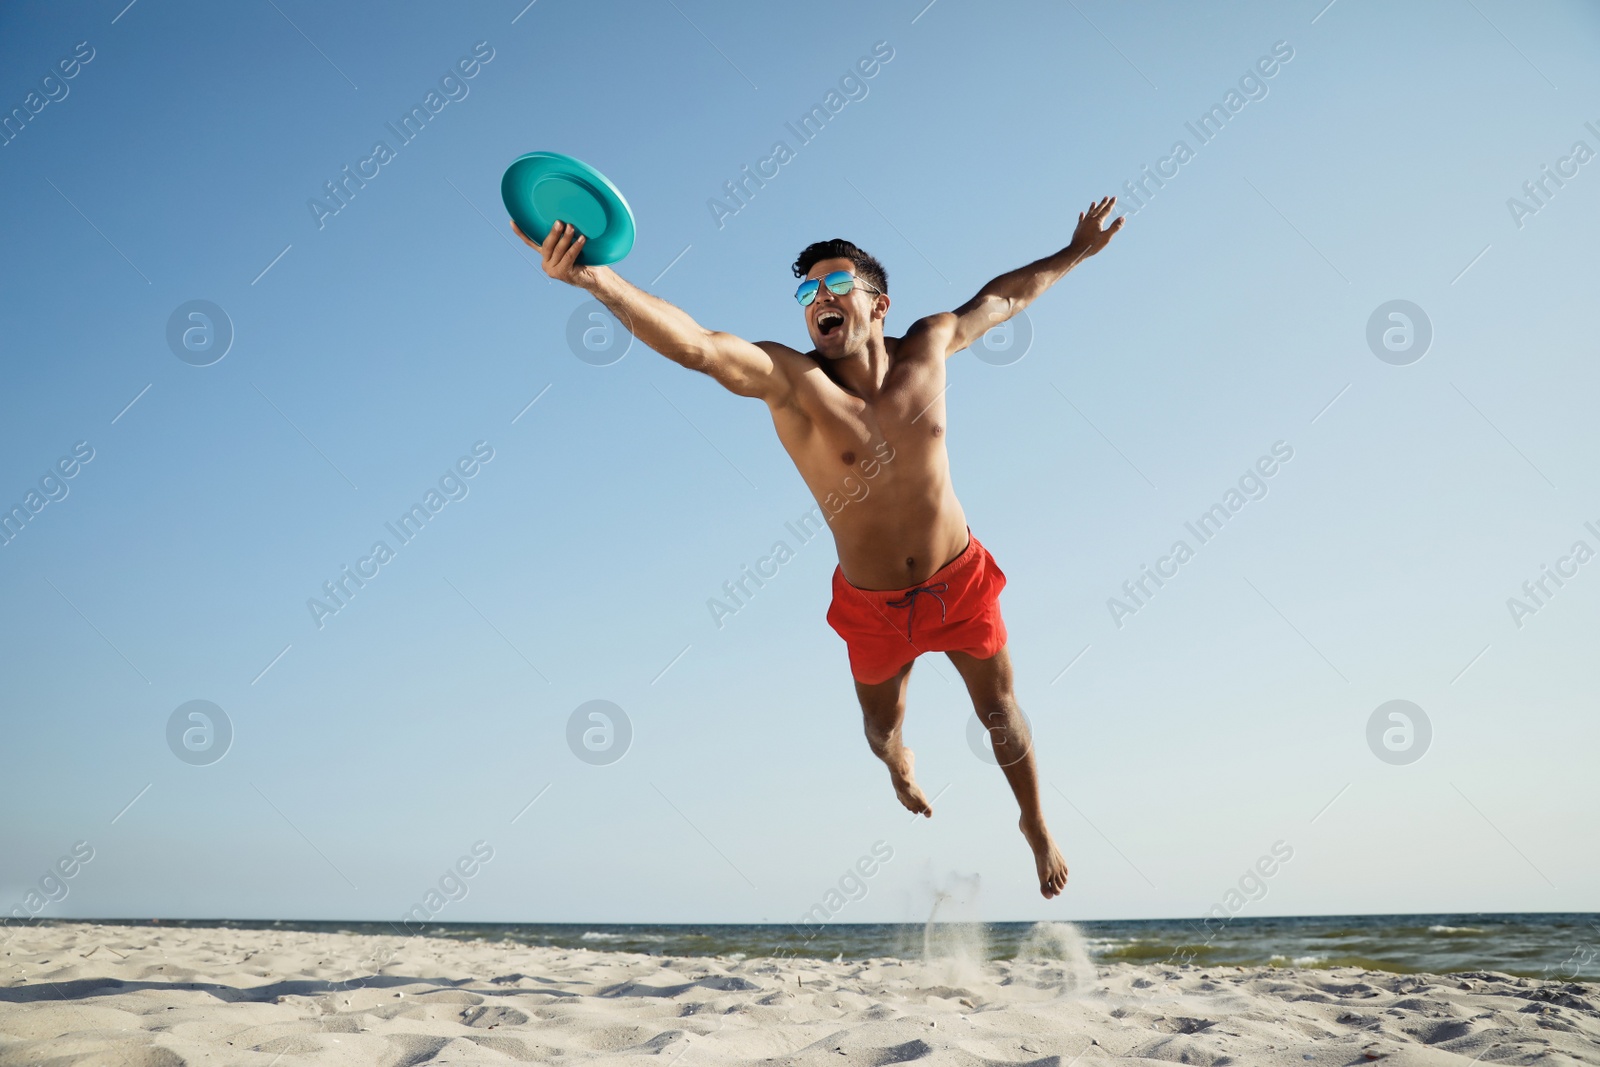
[740, 366]
[1011, 292]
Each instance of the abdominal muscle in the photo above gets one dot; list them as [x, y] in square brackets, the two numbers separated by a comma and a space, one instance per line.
[879, 471]
[907, 525]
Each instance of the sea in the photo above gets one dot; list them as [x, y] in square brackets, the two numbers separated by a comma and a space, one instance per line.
[1550, 946]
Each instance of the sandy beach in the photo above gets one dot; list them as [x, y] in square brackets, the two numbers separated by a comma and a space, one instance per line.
[146, 997]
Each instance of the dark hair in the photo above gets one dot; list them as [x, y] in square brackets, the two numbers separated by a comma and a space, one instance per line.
[867, 266]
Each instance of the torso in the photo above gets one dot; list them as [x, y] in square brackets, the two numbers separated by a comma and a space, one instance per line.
[878, 467]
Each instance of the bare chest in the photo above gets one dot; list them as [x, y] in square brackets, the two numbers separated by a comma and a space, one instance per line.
[833, 434]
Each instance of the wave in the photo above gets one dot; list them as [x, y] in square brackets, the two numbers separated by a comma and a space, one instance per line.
[1526, 945]
[1298, 961]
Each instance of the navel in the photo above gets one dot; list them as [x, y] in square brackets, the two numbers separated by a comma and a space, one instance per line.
[848, 457]
[911, 562]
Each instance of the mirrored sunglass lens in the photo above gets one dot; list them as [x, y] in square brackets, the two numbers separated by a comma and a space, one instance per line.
[840, 282]
[807, 292]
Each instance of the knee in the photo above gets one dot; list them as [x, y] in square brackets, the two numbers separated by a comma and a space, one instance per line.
[998, 710]
[1005, 723]
[879, 735]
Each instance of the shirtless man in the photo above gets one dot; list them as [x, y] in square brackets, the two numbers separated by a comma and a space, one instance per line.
[905, 550]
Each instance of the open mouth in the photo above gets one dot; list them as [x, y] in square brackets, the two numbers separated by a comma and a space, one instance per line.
[829, 321]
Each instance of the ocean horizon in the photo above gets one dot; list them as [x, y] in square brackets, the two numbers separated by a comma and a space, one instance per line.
[1544, 945]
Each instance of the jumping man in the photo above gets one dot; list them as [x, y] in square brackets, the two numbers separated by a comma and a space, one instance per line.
[911, 577]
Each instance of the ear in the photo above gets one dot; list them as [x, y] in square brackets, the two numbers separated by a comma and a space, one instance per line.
[880, 306]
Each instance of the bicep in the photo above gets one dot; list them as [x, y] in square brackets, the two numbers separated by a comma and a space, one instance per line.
[744, 367]
[976, 317]
[947, 332]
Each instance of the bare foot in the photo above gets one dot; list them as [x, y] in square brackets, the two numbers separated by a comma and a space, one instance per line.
[1046, 857]
[906, 788]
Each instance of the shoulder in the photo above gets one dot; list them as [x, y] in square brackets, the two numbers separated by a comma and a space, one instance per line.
[929, 337]
[940, 322]
[788, 360]
[790, 367]
[776, 349]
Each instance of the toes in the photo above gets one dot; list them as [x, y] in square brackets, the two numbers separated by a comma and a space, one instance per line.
[1054, 882]
[914, 802]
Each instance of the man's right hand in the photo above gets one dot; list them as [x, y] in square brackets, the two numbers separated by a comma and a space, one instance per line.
[559, 253]
[740, 367]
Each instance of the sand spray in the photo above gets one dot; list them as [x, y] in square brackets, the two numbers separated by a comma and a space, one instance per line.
[1053, 959]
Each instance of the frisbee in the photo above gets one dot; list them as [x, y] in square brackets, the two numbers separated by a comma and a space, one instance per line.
[543, 187]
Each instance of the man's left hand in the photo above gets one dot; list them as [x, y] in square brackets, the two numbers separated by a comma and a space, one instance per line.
[1089, 238]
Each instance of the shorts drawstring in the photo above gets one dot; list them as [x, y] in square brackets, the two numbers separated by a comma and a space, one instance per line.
[909, 601]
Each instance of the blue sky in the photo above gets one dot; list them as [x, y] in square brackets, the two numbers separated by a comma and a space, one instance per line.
[376, 347]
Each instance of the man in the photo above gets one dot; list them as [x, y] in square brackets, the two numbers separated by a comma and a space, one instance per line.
[911, 577]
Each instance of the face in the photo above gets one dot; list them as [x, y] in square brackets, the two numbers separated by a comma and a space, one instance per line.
[849, 318]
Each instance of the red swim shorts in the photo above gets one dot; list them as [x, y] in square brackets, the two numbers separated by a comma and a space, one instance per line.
[955, 610]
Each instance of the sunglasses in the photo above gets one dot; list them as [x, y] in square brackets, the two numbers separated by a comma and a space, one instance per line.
[839, 283]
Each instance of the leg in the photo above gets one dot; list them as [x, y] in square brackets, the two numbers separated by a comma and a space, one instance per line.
[989, 685]
[883, 708]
